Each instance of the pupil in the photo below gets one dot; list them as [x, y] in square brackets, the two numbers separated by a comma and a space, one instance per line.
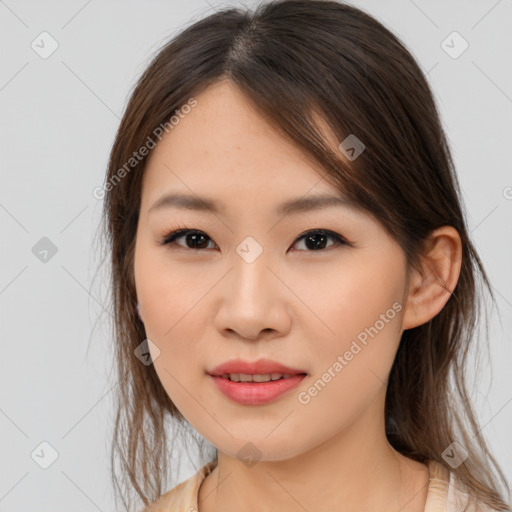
[195, 237]
[315, 245]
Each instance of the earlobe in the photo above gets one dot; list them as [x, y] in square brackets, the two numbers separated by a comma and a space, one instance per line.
[430, 289]
[139, 312]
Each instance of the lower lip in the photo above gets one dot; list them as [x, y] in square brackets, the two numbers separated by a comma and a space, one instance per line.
[256, 393]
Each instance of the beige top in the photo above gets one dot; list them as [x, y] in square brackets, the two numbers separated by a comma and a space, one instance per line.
[444, 495]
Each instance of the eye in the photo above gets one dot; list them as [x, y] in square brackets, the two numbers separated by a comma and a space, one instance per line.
[315, 240]
[197, 239]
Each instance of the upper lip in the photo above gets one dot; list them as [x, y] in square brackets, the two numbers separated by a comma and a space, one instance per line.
[260, 367]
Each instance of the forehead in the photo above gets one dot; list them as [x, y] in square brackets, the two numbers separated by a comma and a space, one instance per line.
[225, 145]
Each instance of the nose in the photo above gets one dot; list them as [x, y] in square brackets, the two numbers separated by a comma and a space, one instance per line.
[254, 302]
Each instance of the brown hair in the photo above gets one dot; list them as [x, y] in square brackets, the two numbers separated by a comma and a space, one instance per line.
[296, 59]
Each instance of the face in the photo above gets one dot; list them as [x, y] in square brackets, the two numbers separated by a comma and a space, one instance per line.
[318, 290]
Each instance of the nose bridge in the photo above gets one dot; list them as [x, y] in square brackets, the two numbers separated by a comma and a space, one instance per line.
[251, 301]
[251, 273]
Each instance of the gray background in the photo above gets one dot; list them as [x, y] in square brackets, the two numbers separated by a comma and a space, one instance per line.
[58, 120]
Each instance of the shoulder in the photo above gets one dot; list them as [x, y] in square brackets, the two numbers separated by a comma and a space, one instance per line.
[447, 494]
[183, 497]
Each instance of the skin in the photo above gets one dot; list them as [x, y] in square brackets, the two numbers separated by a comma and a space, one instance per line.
[293, 304]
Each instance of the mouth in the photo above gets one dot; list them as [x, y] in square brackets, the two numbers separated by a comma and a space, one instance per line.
[255, 383]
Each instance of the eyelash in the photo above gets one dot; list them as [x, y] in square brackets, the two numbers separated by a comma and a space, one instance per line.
[182, 230]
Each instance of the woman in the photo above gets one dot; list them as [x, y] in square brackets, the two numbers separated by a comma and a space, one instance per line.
[292, 272]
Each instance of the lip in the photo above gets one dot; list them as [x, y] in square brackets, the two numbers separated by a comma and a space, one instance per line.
[260, 367]
[255, 393]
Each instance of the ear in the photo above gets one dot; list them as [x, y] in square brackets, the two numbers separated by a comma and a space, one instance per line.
[431, 287]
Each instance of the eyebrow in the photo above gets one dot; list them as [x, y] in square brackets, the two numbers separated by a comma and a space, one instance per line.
[292, 206]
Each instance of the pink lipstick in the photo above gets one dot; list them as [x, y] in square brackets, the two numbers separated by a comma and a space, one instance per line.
[255, 383]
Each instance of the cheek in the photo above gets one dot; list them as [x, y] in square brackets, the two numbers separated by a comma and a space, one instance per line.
[169, 293]
[351, 371]
[361, 319]
[344, 301]
[171, 300]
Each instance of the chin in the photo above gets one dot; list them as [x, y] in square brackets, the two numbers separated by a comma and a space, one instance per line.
[260, 449]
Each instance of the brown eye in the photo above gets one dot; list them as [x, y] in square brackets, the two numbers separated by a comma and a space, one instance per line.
[193, 239]
[316, 240]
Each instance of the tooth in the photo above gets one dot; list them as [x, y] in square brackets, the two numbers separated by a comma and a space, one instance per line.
[245, 377]
[261, 378]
